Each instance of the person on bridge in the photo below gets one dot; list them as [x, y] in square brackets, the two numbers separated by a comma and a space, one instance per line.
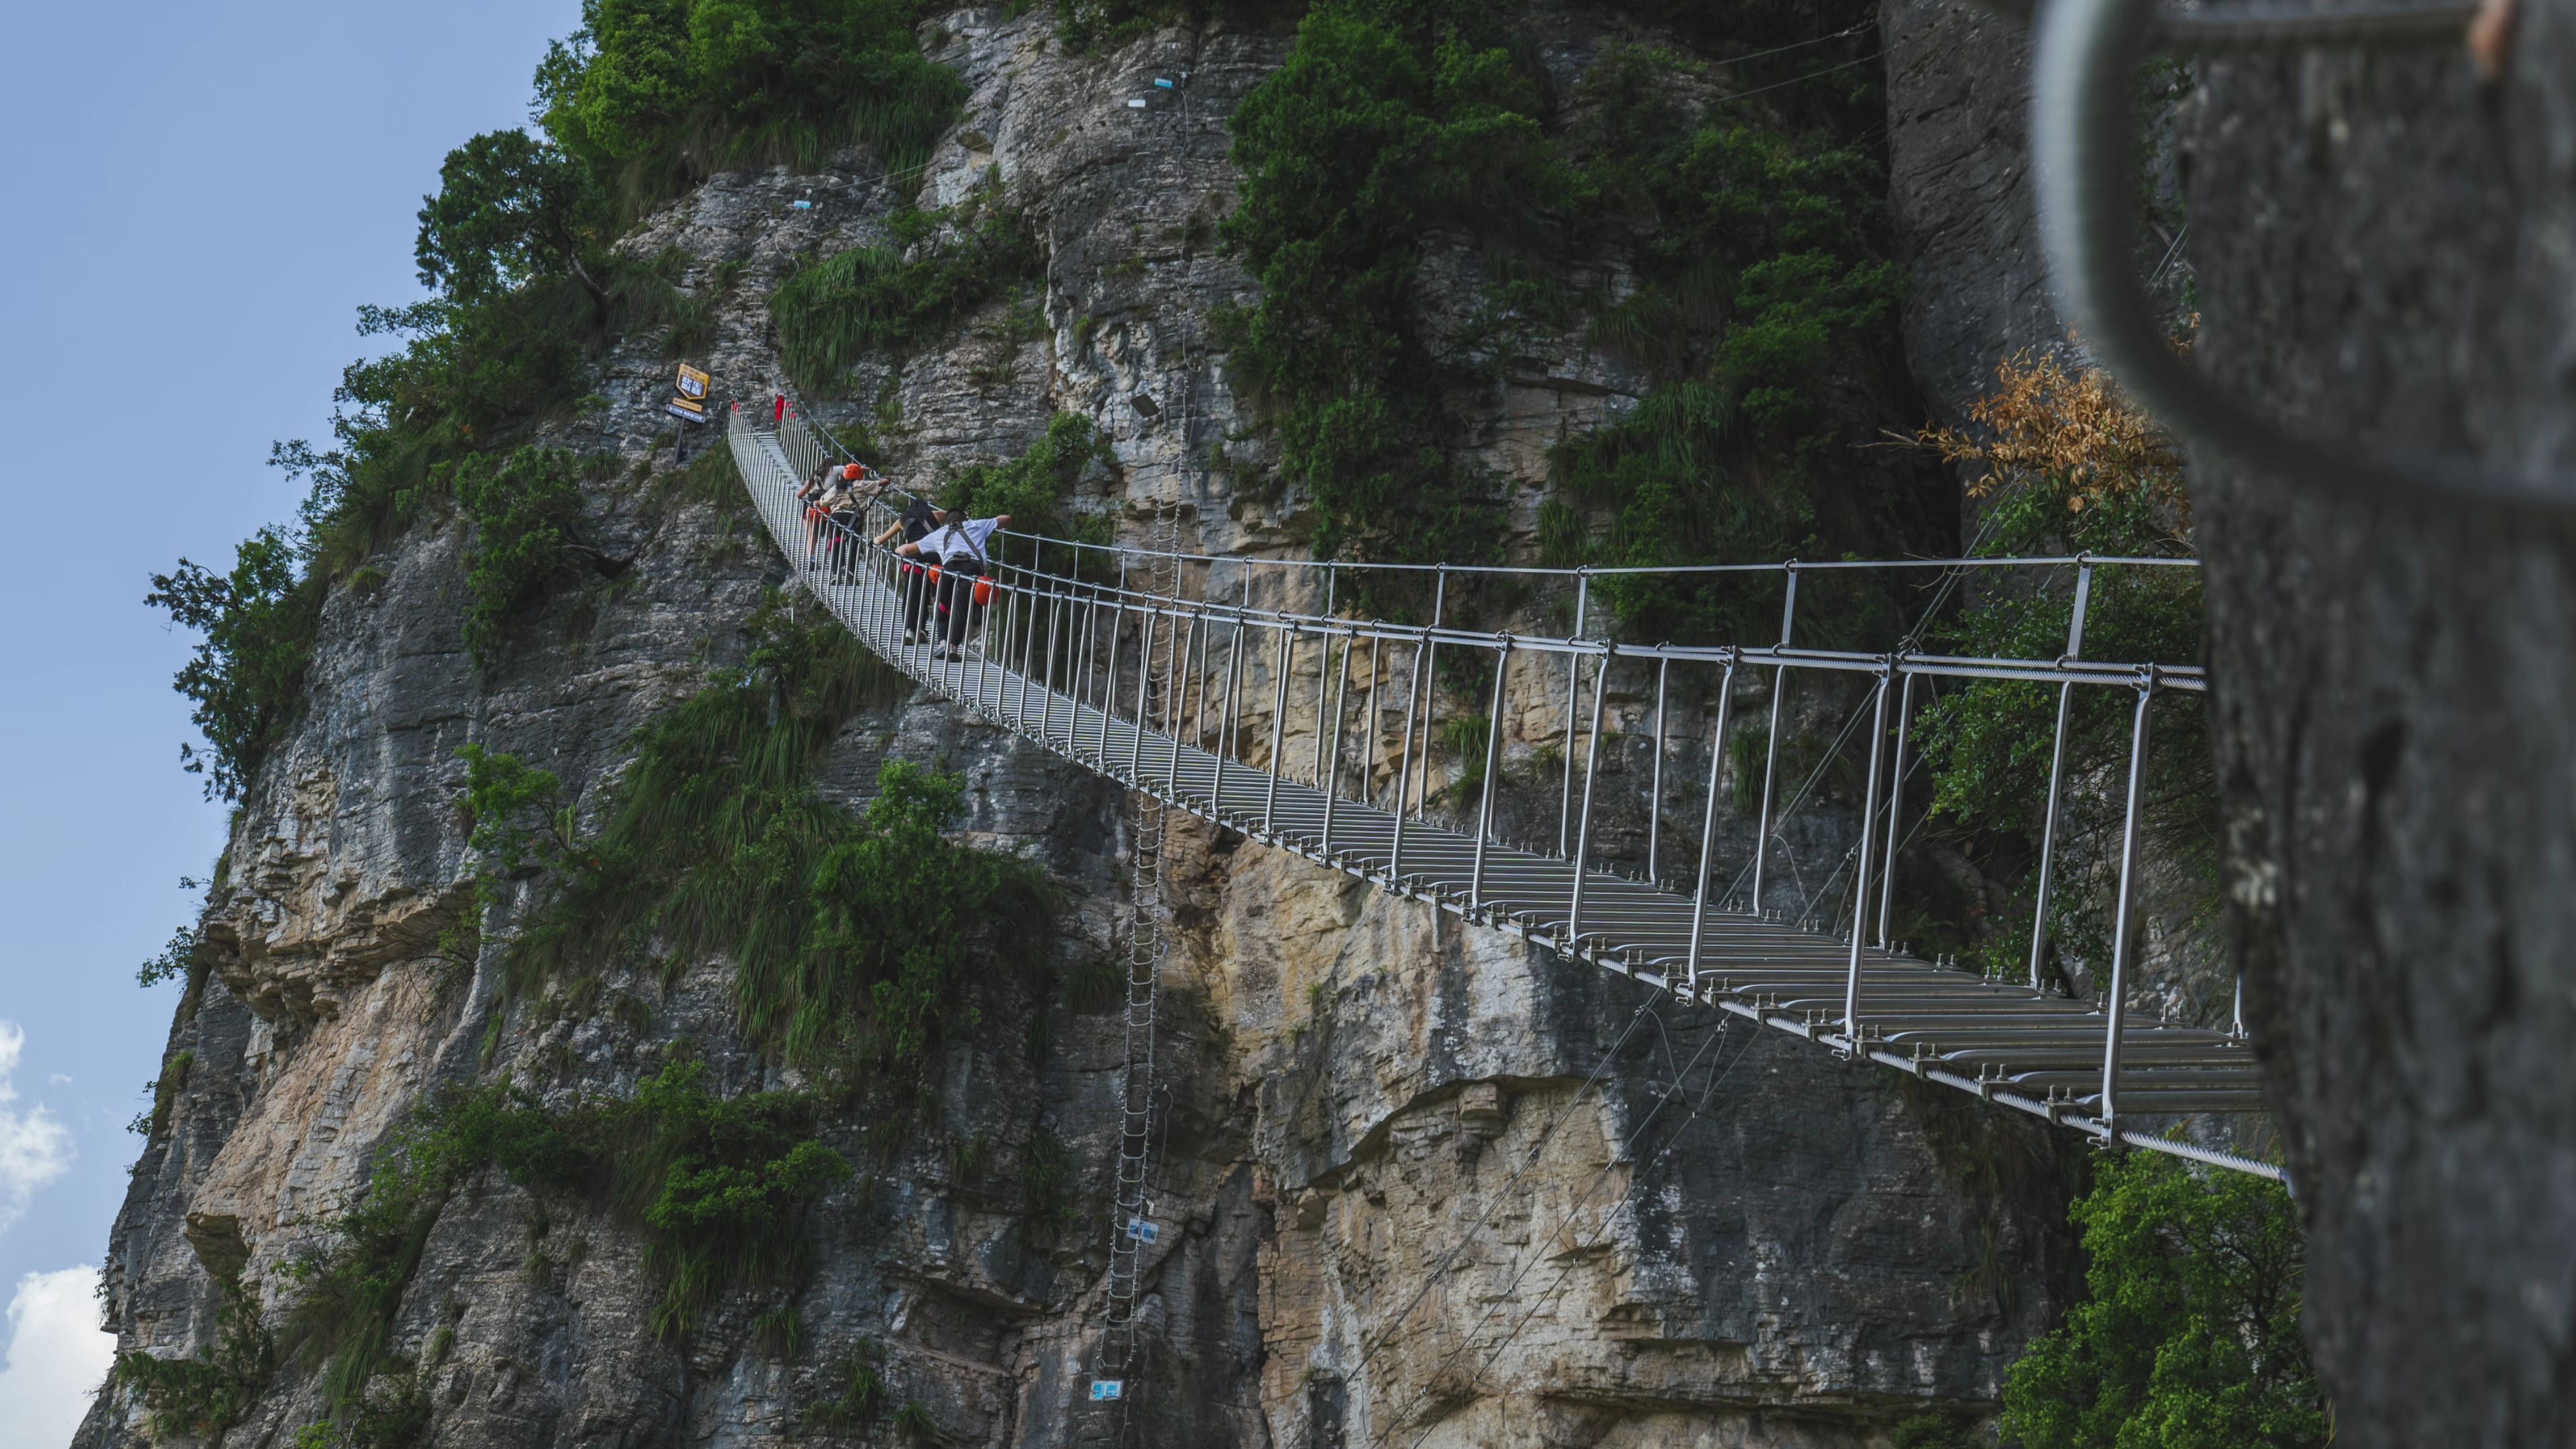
[843, 502]
[817, 494]
[916, 524]
[959, 548]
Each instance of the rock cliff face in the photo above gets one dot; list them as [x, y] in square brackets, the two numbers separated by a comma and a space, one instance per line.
[1423, 1181]
[2384, 246]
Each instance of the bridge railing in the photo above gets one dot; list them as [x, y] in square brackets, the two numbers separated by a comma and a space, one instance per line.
[1388, 748]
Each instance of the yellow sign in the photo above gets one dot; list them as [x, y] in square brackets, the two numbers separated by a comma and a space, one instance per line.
[693, 383]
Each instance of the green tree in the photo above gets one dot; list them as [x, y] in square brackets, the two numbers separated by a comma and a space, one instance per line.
[2188, 1337]
[1390, 122]
[257, 621]
[526, 509]
[509, 208]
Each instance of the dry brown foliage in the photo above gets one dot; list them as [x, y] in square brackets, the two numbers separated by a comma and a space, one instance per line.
[2072, 434]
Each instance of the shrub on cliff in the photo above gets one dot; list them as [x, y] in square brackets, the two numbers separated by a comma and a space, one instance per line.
[524, 509]
[1035, 487]
[472, 379]
[1760, 276]
[716, 1186]
[201, 1395]
[255, 623]
[936, 268]
[871, 927]
[2188, 1337]
[645, 98]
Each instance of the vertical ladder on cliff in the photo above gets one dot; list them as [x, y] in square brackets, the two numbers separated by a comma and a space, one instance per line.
[1132, 1225]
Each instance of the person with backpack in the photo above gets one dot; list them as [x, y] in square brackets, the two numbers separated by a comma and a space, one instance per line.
[959, 546]
[919, 520]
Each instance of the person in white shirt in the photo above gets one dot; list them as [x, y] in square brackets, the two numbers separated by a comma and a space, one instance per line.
[958, 547]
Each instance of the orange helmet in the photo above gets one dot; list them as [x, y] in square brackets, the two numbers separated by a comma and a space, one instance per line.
[851, 473]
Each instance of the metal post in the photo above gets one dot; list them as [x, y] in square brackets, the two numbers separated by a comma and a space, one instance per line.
[1046, 703]
[1278, 724]
[997, 617]
[1117, 640]
[1771, 751]
[1493, 774]
[1233, 677]
[1573, 678]
[1370, 732]
[1080, 693]
[1233, 654]
[1591, 772]
[1002, 644]
[2057, 778]
[1029, 640]
[1404, 771]
[1431, 696]
[1655, 788]
[1333, 765]
[1015, 645]
[1176, 714]
[1194, 683]
[2115, 1004]
[996, 612]
[1145, 616]
[1324, 662]
[1860, 858]
[1708, 820]
[1895, 809]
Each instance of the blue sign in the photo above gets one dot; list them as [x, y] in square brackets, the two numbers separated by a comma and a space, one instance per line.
[1102, 1389]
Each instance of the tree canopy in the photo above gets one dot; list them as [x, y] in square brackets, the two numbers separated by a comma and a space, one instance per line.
[509, 208]
[2188, 1337]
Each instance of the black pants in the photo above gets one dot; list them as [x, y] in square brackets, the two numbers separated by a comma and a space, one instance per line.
[957, 599]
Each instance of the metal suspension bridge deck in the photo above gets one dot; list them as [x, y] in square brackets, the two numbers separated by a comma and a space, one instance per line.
[2095, 1067]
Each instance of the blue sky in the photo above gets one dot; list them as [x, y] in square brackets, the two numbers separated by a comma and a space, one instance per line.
[194, 200]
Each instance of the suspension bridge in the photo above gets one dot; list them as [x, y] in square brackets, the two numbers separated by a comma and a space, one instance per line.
[1112, 660]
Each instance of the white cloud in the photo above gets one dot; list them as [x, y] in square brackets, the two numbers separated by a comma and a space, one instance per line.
[34, 1148]
[57, 1358]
